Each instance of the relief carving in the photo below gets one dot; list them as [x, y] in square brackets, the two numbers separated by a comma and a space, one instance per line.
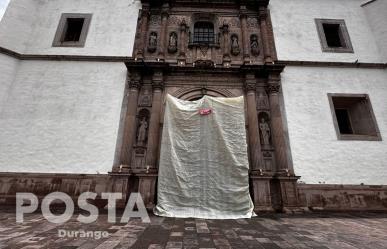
[152, 46]
[142, 132]
[265, 132]
[172, 45]
[235, 50]
[262, 101]
[254, 47]
[155, 20]
[145, 99]
[252, 23]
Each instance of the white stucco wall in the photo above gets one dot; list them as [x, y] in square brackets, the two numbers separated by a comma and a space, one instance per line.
[8, 67]
[296, 35]
[17, 24]
[376, 13]
[61, 117]
[29, 26]
[318, 155]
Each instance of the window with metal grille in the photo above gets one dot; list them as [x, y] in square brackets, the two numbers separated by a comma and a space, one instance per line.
[204, 33]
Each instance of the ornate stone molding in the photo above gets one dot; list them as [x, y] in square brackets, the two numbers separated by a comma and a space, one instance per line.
[250, 83]
[134, 81]
[263, 13]
[273, 88]
[158, 80]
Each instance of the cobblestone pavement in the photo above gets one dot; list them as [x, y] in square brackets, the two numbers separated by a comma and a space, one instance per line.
[365, 230]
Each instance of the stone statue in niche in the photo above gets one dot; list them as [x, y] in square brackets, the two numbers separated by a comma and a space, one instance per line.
[265, 132]
[254, 47]
[235, 50]
[142, 132]
[152, 46]
[172, 45]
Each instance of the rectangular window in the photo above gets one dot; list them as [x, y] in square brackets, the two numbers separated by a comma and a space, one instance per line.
[353, 117]
[334, 36]
[72, 30]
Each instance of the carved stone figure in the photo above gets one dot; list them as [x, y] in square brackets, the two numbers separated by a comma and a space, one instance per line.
[142, 132]
[152, 46]
[265, 131]
[172, 46]
[235, 50]
[262, 101]
[254, 45]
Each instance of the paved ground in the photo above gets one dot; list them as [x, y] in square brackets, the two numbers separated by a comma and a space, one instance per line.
[271, 231]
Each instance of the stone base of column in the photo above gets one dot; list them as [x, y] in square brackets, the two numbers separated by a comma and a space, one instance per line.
[147, 189]
[290, 200]
[260, 186]
[119, 183]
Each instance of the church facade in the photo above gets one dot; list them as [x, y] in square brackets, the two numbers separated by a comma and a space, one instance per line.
[84, 85]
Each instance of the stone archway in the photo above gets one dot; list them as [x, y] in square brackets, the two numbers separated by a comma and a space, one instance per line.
[198, 92]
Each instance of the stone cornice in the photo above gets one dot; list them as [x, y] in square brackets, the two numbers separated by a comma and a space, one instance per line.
[333, 64]
[56, 57]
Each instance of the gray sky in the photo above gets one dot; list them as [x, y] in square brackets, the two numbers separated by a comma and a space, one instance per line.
[3, 5]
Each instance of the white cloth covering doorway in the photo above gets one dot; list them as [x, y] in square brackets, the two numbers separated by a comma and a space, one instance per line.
[203, 170]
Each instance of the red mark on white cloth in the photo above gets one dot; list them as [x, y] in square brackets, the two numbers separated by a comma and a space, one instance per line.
[206, 111]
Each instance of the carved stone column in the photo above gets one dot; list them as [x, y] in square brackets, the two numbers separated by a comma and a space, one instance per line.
[163, 32]
[130, 121]
[154, 124]
[245, 39]
[143, 31]
[183, 38]
[226, 44]
[252, 121]
[263, 15]
[278, 133]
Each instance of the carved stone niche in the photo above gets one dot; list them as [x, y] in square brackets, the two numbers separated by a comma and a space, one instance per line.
[264, 129]
[152, 42]
[254, 45]
[142, 127]
[172, 43]
[139, 150]
[235, 50]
